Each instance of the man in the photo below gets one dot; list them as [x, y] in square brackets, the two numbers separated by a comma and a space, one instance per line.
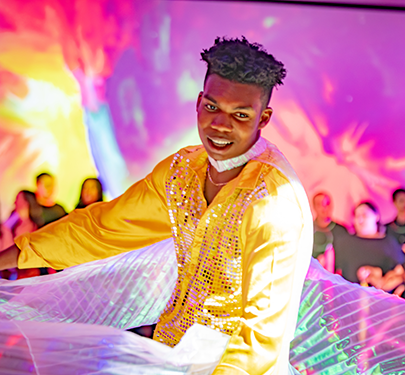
[237, 213]
[396, 227]
[45, 194]
[325, 231]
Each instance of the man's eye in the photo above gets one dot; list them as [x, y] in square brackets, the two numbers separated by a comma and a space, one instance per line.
[210, 107]
[241, 115]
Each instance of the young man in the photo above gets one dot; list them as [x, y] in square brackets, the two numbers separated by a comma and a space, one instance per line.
[238, 216]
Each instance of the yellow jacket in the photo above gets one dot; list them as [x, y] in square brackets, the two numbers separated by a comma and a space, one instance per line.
[241, 260]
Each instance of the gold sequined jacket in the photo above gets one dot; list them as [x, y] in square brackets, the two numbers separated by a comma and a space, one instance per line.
[241, 260]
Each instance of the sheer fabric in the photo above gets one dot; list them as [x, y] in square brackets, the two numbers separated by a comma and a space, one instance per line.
[342, 328]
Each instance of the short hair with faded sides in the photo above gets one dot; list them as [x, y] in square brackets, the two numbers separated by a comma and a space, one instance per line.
[244, 62]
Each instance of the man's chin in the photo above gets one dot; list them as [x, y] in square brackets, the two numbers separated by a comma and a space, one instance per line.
[220, 153]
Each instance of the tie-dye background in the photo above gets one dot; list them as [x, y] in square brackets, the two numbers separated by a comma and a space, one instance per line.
[108, 88]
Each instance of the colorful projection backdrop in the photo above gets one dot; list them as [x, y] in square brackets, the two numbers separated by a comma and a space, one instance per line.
[109, 87]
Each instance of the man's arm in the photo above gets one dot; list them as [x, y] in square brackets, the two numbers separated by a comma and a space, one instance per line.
[271, 237]
[9, 257]
[134, 220]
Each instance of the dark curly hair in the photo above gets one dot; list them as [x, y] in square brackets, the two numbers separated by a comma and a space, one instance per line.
[244, 62]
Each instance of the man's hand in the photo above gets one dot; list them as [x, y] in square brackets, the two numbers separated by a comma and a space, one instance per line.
[9, 257]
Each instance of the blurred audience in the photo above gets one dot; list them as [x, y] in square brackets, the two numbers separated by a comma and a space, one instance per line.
[325, 231]
[45, 195]
[396, 227]
[91, 192]
[369, 246]
[29, 215]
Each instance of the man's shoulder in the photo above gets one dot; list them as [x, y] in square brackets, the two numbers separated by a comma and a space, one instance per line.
[192, 155]
[272, 156]
[191, 149]
[187, 154]
[186, 151]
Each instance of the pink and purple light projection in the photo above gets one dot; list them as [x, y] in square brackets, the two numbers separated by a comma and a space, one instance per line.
[109, 87]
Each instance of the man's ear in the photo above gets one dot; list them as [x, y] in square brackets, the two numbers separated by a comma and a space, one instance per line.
[265, 117]
[199, 100]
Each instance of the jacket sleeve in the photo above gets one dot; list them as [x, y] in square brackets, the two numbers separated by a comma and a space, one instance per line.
[136, 219]
[271, 236]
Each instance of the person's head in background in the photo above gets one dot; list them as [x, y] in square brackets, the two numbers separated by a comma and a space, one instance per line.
[91, 192]
[366, 220]
[45, 189]
[28, 208]
[398, 197]
[322, 204]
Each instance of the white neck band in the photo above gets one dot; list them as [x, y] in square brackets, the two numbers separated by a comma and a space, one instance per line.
[225, 165]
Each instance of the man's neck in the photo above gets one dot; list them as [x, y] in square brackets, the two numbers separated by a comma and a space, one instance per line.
[211, 190]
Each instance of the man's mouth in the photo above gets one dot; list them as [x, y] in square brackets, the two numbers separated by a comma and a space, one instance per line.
[219, 143]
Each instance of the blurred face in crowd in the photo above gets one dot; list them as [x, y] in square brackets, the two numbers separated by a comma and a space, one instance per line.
[365, 221]
[22, 206]
[90, 192]
[323, 207]
[45, 187]
[399, 202]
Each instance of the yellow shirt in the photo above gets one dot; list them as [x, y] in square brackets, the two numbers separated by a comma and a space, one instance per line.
[237, 258]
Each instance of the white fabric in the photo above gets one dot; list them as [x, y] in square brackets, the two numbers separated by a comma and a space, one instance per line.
[31, 340]
[124, 291]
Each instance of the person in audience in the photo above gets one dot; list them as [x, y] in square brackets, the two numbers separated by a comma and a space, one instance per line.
[325, 231]
[45, 193]
[6, 240]
[29, 219]
[91, 192]
[396, 227]
[369, 246]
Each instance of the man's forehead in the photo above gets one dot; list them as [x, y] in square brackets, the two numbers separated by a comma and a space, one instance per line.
[239, 95]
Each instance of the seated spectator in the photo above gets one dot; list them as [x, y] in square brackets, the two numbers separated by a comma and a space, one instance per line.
[396, 227]
[29, 219]
[325, 230]
[6, 238]
[367, 247]
[91, 192]
[45, 192]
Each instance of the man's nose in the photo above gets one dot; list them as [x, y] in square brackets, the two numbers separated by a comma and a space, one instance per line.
[222, 122]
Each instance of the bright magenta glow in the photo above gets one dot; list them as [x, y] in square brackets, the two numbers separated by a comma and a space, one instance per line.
[109, 88]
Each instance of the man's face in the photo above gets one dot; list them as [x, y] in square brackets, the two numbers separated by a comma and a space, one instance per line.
[400, 202]
[323, 206]
[230, 116]
[45, 187]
